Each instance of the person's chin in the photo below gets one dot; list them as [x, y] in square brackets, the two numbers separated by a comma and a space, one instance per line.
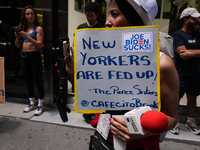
[91, 22]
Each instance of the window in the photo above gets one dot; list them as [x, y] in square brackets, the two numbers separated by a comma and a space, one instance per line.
[79, 5]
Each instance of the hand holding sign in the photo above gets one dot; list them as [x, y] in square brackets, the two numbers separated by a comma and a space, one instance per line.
[116, 69]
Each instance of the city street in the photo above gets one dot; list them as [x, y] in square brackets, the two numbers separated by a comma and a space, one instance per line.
[24, 131]
[22, 134]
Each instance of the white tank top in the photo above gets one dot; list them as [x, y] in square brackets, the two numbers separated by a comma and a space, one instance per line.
[161, 53]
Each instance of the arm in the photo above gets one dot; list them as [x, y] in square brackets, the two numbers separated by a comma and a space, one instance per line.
[169, 84]
[187, 53]
[40, 38]
[17, 44]
[40, 35]
[69, 65]
[169, 101]
[180, 46]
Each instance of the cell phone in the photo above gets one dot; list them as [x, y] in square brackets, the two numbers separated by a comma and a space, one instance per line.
[16, 29]
[66, 49]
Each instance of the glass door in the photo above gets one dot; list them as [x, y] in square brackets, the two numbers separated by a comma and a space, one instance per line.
[10, 15]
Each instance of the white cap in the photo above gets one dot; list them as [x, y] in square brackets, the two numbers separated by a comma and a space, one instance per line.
[147, 9]
[190, 12]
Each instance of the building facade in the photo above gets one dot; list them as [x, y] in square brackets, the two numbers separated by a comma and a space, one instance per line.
[59, 18]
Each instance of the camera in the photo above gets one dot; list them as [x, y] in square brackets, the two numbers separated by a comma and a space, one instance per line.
[61, 96]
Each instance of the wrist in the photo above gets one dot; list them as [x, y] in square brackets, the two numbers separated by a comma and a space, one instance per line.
[71, 74]
[17, 40]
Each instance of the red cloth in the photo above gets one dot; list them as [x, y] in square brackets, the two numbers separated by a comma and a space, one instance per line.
[95, 121]
[151, 142]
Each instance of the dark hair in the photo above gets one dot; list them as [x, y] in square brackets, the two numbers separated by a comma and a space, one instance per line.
[182, 19]
[93, 7]
[23, 23]
[129, 12]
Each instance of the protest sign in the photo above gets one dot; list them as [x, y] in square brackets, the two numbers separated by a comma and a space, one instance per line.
[116, 68]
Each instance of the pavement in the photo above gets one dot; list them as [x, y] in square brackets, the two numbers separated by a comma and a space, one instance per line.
[12, 116]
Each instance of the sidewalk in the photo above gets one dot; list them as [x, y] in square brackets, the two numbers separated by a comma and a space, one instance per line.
[51, 116]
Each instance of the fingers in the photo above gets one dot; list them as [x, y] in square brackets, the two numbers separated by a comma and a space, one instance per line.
[119, 135]
[185, 56]
[16, 34]
[182, 51]
[68, 57]
[72, 50]
[67, 61]
[119, 120]
[23, 34]
[119, 128]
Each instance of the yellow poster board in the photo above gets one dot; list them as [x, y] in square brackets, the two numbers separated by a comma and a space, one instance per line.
[116, 68]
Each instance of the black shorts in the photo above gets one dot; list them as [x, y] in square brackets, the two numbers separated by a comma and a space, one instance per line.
[189, 85]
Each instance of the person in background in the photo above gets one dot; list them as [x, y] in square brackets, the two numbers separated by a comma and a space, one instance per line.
[30, 38]
[123, 13]
[187, 47]
[91, 12]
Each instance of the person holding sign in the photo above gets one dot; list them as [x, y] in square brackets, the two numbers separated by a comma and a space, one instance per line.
[124, 13]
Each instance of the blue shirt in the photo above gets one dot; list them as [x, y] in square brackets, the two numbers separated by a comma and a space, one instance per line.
[191, 66]
[33, 35]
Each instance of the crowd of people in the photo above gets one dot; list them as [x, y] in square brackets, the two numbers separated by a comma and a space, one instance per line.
[177, 77]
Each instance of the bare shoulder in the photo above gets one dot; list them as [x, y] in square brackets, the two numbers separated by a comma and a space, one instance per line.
[166, 63]
[39, 29]
[168, 71]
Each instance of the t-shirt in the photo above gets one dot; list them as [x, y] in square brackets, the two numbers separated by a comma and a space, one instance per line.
[166, 44]
[191, 66]
[85, 25]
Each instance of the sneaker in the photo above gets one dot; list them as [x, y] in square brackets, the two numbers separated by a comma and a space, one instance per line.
[176, 129]
[39, 111]
[29, 108]
[192, 126]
